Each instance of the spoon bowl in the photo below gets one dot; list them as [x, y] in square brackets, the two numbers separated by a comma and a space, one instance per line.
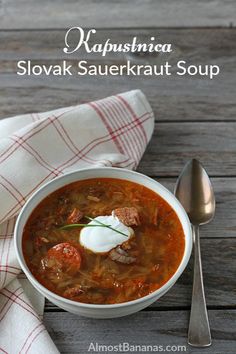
[195, 192]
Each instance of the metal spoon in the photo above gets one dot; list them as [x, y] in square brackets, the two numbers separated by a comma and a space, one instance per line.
[194, 191]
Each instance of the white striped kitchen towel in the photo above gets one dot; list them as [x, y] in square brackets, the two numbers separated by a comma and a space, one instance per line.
[35, 148]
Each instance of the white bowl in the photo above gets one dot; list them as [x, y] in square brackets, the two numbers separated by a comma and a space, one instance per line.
[93, 310]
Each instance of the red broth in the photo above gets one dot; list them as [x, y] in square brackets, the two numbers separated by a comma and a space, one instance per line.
[58, 261]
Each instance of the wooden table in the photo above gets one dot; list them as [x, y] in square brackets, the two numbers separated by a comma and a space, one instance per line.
[195, 117]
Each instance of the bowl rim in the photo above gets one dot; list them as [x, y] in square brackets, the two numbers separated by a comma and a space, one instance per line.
[165, 287]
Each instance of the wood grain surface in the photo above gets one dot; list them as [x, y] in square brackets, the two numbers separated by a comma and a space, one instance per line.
[172, 98]
[73, 334]
[173, 145]
[115, 13]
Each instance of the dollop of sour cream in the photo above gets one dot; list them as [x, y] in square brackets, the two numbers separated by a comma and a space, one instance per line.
[103, 239]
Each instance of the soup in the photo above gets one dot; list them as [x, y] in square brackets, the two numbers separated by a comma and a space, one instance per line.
[103, 241]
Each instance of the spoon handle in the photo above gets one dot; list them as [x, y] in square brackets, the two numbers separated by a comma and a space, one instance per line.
[199, 334]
